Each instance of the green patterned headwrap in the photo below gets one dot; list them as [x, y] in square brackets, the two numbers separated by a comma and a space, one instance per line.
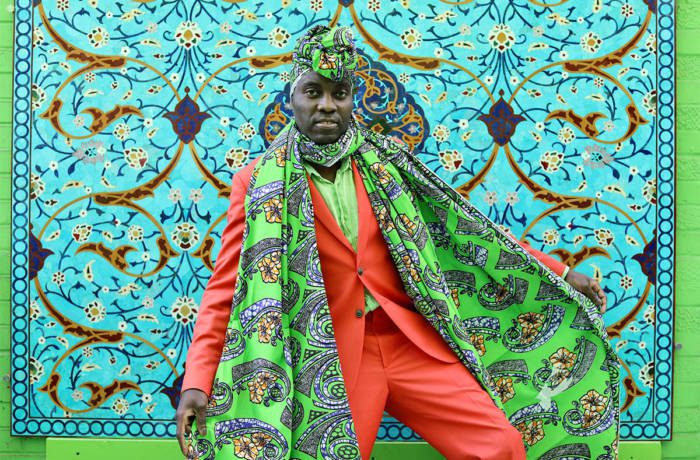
[327, 51]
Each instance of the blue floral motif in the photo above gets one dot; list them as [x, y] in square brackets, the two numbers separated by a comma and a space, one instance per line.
[501, 121]
[37, 255]
[186, 119]
[647, 260]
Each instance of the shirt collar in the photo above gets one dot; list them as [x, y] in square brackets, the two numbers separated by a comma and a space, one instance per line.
[344, 166]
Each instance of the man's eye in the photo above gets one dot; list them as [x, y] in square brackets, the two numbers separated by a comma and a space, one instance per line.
[311, 92]
[341, 94]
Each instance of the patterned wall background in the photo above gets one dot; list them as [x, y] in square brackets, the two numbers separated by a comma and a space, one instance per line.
[132, 116]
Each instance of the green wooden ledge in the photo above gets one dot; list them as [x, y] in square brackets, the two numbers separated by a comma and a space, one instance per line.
[160, 449]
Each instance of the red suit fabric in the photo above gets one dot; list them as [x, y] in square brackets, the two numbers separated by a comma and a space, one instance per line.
[346, 273]
[441, 401]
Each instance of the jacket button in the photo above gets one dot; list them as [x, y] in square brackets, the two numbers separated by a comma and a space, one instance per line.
[360, 271]
[358, 313]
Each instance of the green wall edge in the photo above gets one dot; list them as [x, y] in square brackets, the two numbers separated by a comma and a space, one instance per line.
[157, 449]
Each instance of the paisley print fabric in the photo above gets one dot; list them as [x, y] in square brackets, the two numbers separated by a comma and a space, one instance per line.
[328, 51]
[537, 346]
[329, 154]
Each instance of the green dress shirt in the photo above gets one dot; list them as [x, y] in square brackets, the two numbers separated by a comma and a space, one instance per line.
[341, 200]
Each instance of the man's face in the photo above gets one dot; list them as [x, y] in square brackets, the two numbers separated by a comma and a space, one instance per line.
[322, 107]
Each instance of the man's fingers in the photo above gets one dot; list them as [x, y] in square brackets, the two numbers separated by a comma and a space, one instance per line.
[599, 296]
[183, 444]
[589, 292]
[595, 287]
[202, 421]
[603, 299]
[588, 287]
[184, 428]
[182, 441]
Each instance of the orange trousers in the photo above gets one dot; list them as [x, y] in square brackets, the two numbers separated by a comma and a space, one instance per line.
[441, 401]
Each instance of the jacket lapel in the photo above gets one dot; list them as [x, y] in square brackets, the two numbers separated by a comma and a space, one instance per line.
[364, 209]
[325, 217]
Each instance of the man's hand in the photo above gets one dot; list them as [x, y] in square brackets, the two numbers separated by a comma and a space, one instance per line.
[588, 287]
[193, 404]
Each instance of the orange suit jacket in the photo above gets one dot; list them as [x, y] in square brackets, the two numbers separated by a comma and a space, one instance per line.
[346, 273]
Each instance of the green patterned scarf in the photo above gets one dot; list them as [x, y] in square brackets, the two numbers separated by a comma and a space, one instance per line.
[328, 51]
[329, 154]
[535, 344]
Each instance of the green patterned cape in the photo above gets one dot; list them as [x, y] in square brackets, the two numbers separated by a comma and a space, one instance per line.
[534, 343]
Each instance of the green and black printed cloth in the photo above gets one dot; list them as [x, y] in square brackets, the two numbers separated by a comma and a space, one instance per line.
[534, 343]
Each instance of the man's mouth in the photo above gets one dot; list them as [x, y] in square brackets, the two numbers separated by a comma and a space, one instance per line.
[326, 124]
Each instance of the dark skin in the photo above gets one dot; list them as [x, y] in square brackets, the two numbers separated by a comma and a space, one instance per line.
[193, 404]
[588, 287]
[322, 110]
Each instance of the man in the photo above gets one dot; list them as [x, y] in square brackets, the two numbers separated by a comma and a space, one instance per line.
[360, 282]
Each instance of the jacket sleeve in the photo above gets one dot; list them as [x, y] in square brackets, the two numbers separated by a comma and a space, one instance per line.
[558, 267]
[215, 308]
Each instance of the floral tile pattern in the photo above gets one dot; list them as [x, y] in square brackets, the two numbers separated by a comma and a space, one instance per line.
[555, 118]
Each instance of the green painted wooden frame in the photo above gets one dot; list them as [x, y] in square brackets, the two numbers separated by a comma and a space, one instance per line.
[164, 449]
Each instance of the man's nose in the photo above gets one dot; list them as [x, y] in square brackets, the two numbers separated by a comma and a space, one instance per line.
[326, 103]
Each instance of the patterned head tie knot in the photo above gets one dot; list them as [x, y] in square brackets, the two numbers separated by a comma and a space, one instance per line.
[329, 52]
